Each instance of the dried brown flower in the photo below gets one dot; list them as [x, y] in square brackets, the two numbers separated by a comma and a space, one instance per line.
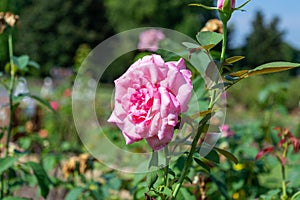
[7, 18]
[2, 22]
[213, 25]
[77, 163]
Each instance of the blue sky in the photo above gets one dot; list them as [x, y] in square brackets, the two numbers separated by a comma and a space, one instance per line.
[286, 10]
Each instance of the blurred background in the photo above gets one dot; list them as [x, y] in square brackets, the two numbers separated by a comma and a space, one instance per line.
[54, 34]
[59, 34]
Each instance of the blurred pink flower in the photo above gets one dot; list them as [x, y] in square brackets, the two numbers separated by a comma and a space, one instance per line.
[148, 99]
[54, 105]
[221, 3]
[149, 39]
[225, 130]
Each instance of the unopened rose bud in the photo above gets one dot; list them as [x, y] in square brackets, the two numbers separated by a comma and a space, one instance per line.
[226, 7]
[226, 4]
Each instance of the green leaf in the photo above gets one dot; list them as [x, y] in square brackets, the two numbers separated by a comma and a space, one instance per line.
[206, 38]
[272, 67]
[221, 186]
[7, 162]
[201, 114]
[167, 191]
[208, 47]
[213, 156]
[190, 45]
[184, 194]
[227, 154]
[33, 64]
[262, 69]
[21, 62]
[203, 6]
[170, 171]
[272, 194]
[151, 179]
[233, 59]
[296, 196]
[74, 193]
[239, 74]
[1, 135]
[188, 179]
[42, 177]
[202, 164]
[42, 101]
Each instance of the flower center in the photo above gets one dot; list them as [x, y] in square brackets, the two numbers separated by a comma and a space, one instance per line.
[141, 102]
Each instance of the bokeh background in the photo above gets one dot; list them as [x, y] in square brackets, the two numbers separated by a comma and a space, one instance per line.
[59, 34]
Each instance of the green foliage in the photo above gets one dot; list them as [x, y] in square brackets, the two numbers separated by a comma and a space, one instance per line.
[6, 163]
[14, 198]
[42, 177]
[209, 38]
[59, 28]
[227, 154]
[138, 13]
[74, 193]
[51, 33]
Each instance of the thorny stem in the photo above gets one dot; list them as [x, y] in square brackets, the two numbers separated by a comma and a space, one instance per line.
[10, 92]
[283, 182]
[224, 43]
[284, 195]
[202, 128]
[222, 59]
[167, 165]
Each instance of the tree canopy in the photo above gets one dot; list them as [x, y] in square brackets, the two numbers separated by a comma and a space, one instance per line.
[51, 32]
[265, 43]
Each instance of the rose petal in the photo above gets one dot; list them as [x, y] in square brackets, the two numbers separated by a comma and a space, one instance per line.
[157, 144]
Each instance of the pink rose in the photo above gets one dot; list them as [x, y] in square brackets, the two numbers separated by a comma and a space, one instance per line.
[149, 39]
[222, 2]
[148, 99]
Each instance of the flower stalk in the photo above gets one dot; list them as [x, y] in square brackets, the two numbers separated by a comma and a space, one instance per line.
[202, 129]
[282, 162]
[167, 166]
[224, 43]
[10, 92]
[225, 16]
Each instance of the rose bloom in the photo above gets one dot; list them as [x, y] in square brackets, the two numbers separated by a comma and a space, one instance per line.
[148, 99]
[149, 39]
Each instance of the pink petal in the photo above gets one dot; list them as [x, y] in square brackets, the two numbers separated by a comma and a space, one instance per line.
[157, 144]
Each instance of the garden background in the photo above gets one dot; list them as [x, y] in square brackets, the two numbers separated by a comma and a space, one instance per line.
[58, 35]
